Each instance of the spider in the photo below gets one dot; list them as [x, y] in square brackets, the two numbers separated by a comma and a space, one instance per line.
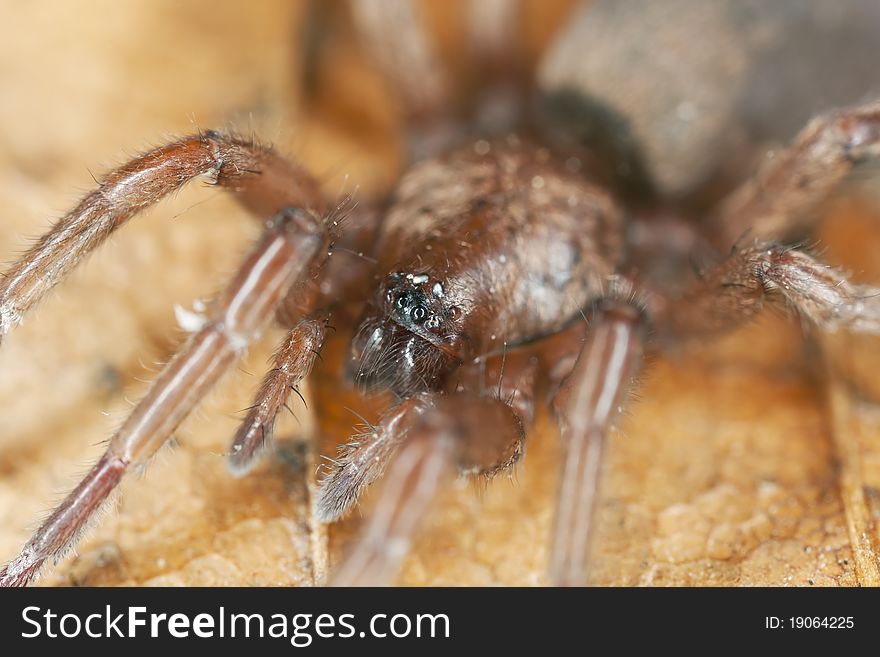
[494, 248]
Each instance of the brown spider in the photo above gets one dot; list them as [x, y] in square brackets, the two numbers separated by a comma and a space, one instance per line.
[487, 257]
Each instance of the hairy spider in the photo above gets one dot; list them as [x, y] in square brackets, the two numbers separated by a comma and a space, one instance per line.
[495, 246]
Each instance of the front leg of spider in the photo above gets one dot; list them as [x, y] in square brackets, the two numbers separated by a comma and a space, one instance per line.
[291, 244]
[444, 435]
[587, 403]
[292, 363]
[420, 446]
[261, 180]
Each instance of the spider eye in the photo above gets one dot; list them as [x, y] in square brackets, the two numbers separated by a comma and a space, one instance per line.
[419, 314]
[400, 302]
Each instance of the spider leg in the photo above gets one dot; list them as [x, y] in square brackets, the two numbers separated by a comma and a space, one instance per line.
[345, 275]
[587, 403]
[362, 460]
[734, 291]
[778, 201]
[494, 32]
[264, 181]
[292, 362]
[292, 242]
[395, 36]
[417, 471]
[445, 435]
[499, 69]
[423, 442]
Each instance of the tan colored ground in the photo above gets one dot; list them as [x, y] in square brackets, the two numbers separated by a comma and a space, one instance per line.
[730, 470]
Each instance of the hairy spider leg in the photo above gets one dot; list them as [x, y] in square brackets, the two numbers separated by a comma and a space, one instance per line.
[292, 362]
[734, 291]
[394, 35]
[290, 245]
[780, 201]
[264, 183]
[587, 403]
[445, 435]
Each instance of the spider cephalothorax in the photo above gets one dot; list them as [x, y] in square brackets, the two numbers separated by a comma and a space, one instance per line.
[488, 246]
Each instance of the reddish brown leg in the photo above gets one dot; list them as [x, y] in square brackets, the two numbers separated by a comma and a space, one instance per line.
[437, 436]
[508, 377]
[444, 435]
[418, 471]
[734, 292]
[292, 242]
[779, 201]
[587, 404]
[498, 68]
[394, 33]
[293, 361]
[265, 183]
[362, 460]
[494, 31]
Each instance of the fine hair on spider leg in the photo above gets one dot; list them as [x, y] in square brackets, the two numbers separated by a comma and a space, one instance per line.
[263, 181]
[508, 378]
[99, 485]
[444, 435]
[292, 241]
[819, 292]
[362, 460]
[734, 291]
[780, 199]
[587, 404]
[292, 362]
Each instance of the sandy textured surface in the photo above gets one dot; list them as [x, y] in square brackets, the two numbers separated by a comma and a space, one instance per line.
[731, 469]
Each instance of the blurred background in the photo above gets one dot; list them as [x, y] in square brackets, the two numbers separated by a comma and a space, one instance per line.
[753, 460]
